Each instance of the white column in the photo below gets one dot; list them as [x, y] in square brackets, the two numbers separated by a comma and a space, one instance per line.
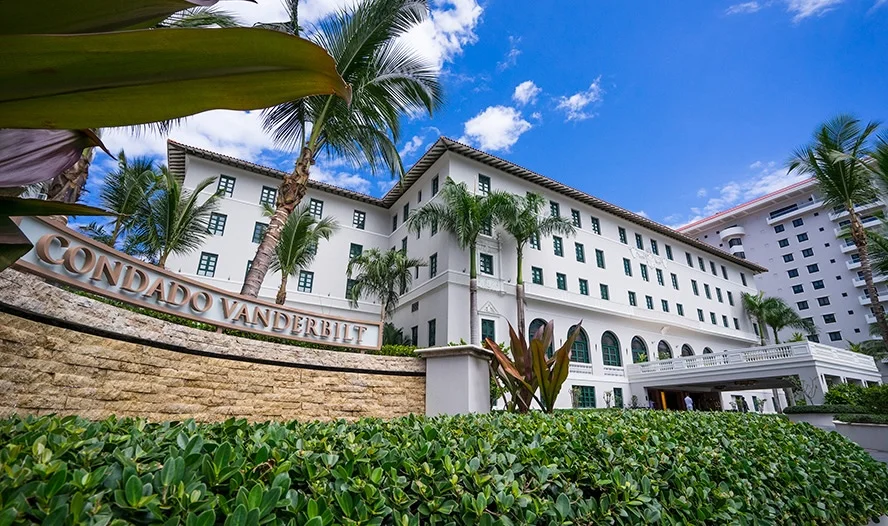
[457, 379]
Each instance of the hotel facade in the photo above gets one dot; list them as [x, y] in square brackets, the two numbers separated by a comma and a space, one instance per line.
[661, 311]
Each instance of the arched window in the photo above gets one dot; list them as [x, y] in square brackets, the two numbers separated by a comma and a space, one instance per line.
[639, 350]
[707, 350]
[664, 350]
[579, 352]
[610, 349]
[686, 350]
[536, 325]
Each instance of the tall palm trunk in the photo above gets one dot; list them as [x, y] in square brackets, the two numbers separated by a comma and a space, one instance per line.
[475, 335]
[163, 260]
[858, 235]
[68, 185]
[290, 194]
[763, 329]
[282, 291]
[776, 339]
[519, 293]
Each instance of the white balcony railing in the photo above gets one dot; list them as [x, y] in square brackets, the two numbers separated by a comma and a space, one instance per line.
[869, 222]
[851, 264]
[734, 231]
[585, 369]
[737, 249]
[848, 246]
[794, 213]
[833, 216]
[878, 278]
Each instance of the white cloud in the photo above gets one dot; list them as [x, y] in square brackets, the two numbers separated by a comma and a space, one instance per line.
[310, 11]
[450, 28]
[701, 192]
[411, 146]
[385, 186]
[537, 116]
[575, 105]
[495, 128]
[802, 9]
[350, 181]
[642, 213]
[744, 8]
[511, 57]
[526, 93]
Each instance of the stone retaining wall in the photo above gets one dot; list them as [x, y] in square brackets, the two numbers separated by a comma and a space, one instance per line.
[92, 359]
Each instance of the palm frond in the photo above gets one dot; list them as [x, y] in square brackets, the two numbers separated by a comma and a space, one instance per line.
[201, 17]
[299, 240]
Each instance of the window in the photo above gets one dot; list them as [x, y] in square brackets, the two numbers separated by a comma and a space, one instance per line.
[394, 222]
[618, 397]
[712, 268]
[216, 226]
[483, 184]
[725, 321]
[649, 301]
[584, 287]
[535, 241]
[802, 237]
[404, 245]
[633, 300]
[605, 293]
[813, 338]
[701, 264]
[644, 272]
[659, 276]
[793, 273]
[802, 305]
[712, 318]
[639, 242]
[249, 266]
[718, 295]
[783, 243]
[560, 281]
[268, 196]
[835, 336]
[730, 298]
[414, 334]
[622, 232]
[487, 264]
[679, 308]
[627, 267]
[419, 196]
[579, 351]
[554, 209]
[414, 306]
[259, 232]
[779, 228]
[707, 291]
[694, 287]
[808, 252]
[724, 272]
[585, 397]
[434, 186]
[690, 259]
[207, 265]
[575, 218]
[406, 212]
[674, 281]
[359, 219]
[668, 252]
[581, 252]
[225, 186]
[596, 225]
[433, 265]
[610, 350]
[700, 315]
[736, 324]
[743, 278]
[797, 222]
[559, 246]
[355, 250]
[665, 305]
[817, 284]
[654, 247]
[787, 258]
[599, 258]
[434, 227]
[829, 318]
[487, 228]
[536, 275]
[798, 289]
[349, 286]
[488, 329]
[306, 280]
[433, 330]
[823, 301]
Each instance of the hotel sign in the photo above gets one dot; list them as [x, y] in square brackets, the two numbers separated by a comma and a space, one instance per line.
[63, 255]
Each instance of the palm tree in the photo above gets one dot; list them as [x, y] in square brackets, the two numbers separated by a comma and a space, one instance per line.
[757, 306]
[298, 245]
[837, 159]
[126, 189]
[388, 80]
[385, 275]
[524, 220]
[779, 315]
[466, 216]
[172, 221]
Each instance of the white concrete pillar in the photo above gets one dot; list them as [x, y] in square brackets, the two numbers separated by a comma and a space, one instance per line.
[457, 379]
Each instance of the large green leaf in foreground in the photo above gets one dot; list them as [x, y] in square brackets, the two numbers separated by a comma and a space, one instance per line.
[136, 77]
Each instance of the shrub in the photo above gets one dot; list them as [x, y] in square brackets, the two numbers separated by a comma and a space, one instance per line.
[875, 398]
[824, 409]
[595, 467]
[846, 394]
[863, 418]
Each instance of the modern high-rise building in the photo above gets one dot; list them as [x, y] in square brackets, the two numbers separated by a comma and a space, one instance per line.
[660, 311]
[810, 263]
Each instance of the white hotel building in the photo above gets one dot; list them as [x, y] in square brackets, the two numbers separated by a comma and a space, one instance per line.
[661, 311]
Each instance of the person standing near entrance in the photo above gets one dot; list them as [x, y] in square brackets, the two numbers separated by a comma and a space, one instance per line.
[689, 402]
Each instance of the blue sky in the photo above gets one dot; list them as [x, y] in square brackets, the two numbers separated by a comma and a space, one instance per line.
[675, 112]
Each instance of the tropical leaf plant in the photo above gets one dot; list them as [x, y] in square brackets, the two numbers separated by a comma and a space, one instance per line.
[382, 275]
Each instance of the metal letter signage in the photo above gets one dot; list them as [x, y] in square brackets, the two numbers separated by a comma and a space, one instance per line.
[63, 255]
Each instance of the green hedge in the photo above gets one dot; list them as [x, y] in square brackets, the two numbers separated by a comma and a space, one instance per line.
[864, 419]
[601, 467]
[826, 408]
